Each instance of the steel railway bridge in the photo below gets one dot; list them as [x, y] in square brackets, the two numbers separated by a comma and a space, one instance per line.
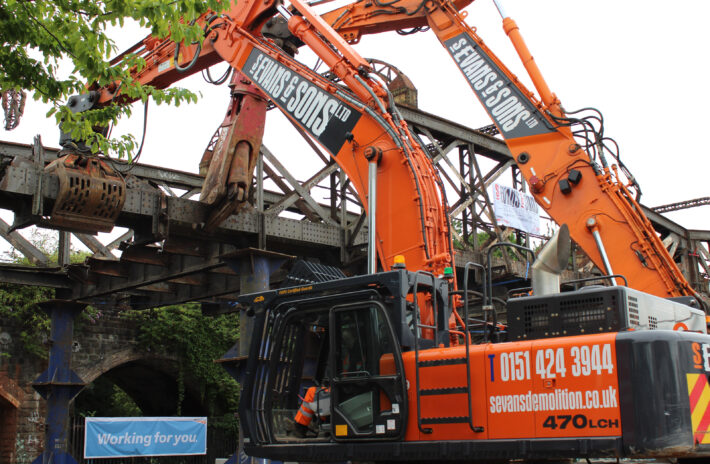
[166, 257]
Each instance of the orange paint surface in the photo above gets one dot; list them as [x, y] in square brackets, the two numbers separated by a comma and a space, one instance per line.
[564, 387]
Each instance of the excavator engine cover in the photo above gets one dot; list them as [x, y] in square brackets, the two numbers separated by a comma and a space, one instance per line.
[597, 310]
[91, 194]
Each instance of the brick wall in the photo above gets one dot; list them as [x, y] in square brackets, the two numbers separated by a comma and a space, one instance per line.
[8, 430]
[22, 411]
[29, 439]
[107, 342]
[10, 400]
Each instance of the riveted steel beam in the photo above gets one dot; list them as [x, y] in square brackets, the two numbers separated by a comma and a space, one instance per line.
[171, 223]
[23, 245]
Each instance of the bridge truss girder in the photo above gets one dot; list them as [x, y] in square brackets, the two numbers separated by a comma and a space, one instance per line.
[167, 258]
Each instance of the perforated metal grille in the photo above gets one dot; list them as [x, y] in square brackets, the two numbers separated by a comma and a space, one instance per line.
[633, 310]
[91, 194]
[81, 200]
[582, 311]
[536, 318]
[574, 313]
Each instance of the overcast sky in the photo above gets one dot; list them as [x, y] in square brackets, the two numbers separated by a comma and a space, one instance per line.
[643, 64]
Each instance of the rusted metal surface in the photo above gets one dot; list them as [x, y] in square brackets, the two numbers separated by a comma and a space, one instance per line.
[232, 162]
[682, 205]
[186, 246]
[33, 254]
[145, 255]
[94, 245]
[401, 87]
[13, 105]
[50, 277]
[91, 194]
[167, 256]
[108, 267]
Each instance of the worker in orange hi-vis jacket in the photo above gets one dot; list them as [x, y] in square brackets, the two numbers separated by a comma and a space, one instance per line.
[309, 407]
[317, 399]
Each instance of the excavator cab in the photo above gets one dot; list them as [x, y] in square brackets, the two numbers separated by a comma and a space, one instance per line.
[365, 387]
[346, 338]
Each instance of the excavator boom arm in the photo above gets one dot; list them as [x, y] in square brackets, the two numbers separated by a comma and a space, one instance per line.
[351, 122]
[571, 186]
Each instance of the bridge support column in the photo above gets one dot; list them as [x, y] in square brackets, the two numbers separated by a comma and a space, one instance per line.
[254, 276]
[255, 268]
[58, 385]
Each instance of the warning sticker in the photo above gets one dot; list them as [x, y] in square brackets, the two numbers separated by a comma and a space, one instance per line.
[699, 395]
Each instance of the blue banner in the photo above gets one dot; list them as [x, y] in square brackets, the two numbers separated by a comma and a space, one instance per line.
[111, 437]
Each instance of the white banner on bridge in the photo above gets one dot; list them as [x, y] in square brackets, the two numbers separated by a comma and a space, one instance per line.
[515, 209]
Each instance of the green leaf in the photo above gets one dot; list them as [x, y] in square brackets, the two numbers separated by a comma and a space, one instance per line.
[38, 35]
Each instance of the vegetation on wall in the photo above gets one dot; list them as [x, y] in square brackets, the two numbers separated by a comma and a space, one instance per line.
[486, 239]
[105, 398]
[19, 304]
[181, 331]
[197, 341]
[19, 308]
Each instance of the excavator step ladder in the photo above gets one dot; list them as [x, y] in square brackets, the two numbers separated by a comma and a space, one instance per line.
[419, 328]
[442, 391]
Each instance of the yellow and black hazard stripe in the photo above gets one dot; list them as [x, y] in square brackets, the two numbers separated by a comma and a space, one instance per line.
[699, 395]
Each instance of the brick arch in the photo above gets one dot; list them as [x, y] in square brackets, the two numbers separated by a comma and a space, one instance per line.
[149, 379]
[10, 401]
[89, 369]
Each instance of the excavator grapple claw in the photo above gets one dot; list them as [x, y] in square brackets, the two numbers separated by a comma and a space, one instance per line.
[91, 194]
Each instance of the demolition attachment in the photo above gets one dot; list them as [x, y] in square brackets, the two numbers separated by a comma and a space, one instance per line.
[91, 194]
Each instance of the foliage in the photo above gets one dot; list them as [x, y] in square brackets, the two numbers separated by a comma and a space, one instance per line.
[197, 340]
[485, 238]
[41, 37]
[181, 330]
[18, 305]
[48, 243]
[105, 398]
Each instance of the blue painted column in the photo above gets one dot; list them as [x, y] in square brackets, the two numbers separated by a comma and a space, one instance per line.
[58, 385]
[255, 268]
[254, 275]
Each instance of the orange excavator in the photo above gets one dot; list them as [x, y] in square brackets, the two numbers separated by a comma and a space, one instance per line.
[601, 372]
[619, 371]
